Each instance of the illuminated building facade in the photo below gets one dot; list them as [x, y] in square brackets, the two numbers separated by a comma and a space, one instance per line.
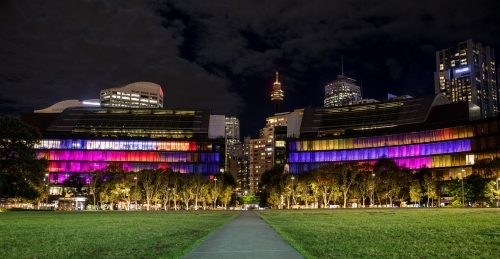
[135, 95]
[277, 95]
[232, 135]
[429, 131]
[468, 73]
[341, 92]
[82, 139]
[268, 150]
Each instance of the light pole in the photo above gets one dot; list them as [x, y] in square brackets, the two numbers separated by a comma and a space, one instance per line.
[497, 191]
[293, 192]
[48, 190]
[463, 195]
[135, 178]
[373, 190]
[215, 189]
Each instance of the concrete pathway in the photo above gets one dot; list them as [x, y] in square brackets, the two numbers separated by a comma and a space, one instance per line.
[245, 236]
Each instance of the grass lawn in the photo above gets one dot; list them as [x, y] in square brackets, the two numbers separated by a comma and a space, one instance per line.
[390, 233]
[105, 234]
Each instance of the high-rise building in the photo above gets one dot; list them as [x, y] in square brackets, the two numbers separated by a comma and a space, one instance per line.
[232, 131]
[341, 92]
[135, 95]
[232, 134]
[467, 73]
[277, 94]
[268, 150]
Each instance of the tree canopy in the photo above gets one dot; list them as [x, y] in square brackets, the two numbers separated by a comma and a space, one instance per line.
[21, 172]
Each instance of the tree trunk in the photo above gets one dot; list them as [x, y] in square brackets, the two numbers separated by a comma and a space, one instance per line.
[345, 200]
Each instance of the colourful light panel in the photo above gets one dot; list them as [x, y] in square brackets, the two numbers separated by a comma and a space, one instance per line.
[129, 156]
[101, 144]
[447, 147]
[83, 167]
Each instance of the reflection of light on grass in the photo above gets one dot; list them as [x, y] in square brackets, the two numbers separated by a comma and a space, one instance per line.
[3, 210]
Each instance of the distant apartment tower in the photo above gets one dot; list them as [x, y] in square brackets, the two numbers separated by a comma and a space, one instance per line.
[268, 150]
[135, 95]
[277, 94]
[243, 155]
[232, 134]
[467, 73]
[341, 92]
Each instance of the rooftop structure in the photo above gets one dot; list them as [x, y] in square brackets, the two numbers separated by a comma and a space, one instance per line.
[135, 95]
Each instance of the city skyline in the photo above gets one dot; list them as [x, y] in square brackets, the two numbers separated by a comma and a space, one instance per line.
[223, 56]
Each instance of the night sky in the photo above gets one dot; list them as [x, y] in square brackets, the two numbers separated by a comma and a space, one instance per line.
[223, 55]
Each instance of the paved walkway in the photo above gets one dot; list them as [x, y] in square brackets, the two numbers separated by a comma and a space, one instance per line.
[246, 236]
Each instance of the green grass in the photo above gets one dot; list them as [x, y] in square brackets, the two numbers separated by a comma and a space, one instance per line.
[390, 233]
[105, 234]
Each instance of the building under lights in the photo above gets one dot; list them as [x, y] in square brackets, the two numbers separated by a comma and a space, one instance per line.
[341, 92]
[468, 73]
[269, 149]
[135, 95]
[428, 131]
[81, 139]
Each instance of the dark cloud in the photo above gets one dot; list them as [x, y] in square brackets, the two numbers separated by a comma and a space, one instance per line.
[223, 54]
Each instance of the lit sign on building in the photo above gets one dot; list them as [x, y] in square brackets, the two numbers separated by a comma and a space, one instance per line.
[91, 103]
[462, 71]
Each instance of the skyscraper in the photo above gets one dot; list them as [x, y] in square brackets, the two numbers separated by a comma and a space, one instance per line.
[341, 92]
[135, 95]
[277, 94]
[467, 73]
[232, 134]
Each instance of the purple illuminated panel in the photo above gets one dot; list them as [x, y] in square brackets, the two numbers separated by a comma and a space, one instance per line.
[128, 156]
[427, 149]
[83, 167]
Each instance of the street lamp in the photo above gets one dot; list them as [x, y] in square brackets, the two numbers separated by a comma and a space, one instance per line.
[463, 195]
[497, 191]
[373, 190]
[135, 178]
[47, 183]
[215, 189]
[293, 192]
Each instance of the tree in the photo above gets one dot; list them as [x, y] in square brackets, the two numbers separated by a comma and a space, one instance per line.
[326, 184]
[431, 188]
[95, 181]
[186, 187]
[454, 189]
[363, 185]
[346, 174]
[150, 181]
[391, 179]
[164, 190]
[21, 172]
[416, 192]
[225, 196]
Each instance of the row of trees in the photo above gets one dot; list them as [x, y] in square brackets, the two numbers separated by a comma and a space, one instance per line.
[381, 183]
[160, 188]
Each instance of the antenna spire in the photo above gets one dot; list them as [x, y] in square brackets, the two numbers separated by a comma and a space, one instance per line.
[277, 77]
[342, 64]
